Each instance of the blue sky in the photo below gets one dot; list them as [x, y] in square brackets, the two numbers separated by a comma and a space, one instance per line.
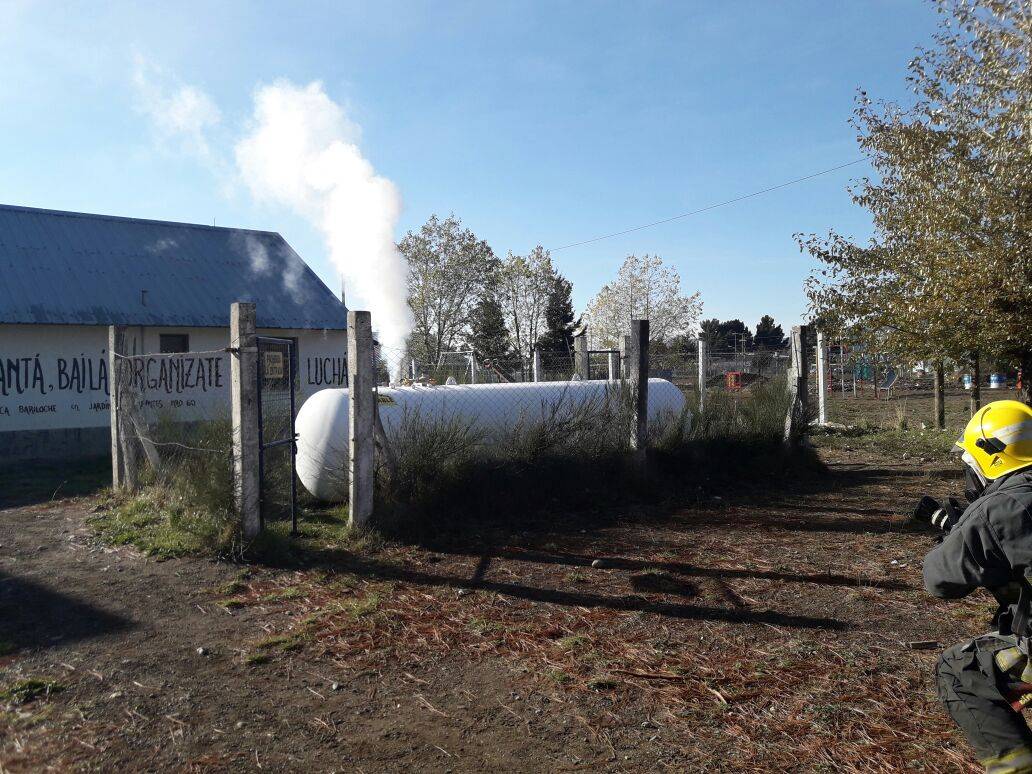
[535, 123]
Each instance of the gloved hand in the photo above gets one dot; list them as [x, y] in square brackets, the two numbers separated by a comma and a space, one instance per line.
[942, 515]
[946, 517]
[925, 508]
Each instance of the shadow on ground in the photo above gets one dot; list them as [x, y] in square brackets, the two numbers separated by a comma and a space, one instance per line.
[33, 616]
[39, 481]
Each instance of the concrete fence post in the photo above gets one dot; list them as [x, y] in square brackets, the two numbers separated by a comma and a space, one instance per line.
[244, 399]
[116, 349]
[361, 409]
[473, 367]
[638, 381]
[703, 349]
[625, 357]
[614, 365]
[536, 365]
[796, 418]
[580, 357]
[822, 380]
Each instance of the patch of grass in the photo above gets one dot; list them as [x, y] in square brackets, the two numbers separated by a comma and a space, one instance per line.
[29, 689]
[573, 642]
[896, 444]
[255, 658]
[290, 592]
[559, 677]
[481, 626]
[161, 522]
[232, 604]
[446, 473]
[361, 608]
[284, 642]
[232, 588]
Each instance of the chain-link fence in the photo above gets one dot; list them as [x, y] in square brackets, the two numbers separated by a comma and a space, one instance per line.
[173, 425]
[865, 389]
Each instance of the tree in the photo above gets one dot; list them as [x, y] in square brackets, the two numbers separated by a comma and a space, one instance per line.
[488, 335]
[448, 272]
[524, 286]
[560, 319]
[644, 288]
[769, 335]
[736, 336]
[726, 336]
[709, 331]
[949, 268]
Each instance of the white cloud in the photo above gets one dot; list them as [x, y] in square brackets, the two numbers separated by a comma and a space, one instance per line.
[179, 113]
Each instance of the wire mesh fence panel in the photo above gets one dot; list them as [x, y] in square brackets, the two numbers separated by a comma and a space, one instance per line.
[876, 391]
[476, 403]
[556, 366]
[174, 421]
[277, 385]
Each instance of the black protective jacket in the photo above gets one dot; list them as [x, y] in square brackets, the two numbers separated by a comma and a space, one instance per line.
[990, 547]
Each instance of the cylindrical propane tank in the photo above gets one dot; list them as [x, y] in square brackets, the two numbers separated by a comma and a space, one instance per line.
[322, 422]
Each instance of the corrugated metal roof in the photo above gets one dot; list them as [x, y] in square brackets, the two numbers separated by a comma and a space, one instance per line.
[73, 268]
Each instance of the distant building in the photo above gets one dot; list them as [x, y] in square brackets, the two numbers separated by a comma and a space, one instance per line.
[66, 276]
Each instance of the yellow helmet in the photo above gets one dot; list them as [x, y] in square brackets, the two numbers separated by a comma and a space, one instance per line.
[999, 438]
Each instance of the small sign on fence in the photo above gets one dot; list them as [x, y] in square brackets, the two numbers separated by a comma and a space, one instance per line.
[272, 365]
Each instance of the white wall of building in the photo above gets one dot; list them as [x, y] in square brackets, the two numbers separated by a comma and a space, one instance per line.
[55, 377]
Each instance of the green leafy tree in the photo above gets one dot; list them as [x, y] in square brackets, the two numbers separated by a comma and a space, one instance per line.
[449, 271]
[949, 268]
[524, 286]
[709, 331]
[560, 319]
[488, 335]
[769, 335]
[726, 336]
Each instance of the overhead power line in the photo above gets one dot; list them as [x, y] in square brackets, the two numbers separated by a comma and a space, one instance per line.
[709, 207]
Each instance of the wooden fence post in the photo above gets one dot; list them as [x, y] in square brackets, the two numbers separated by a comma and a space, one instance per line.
[361, 408]
[116, 350]
[244, 399]
[581, 366]
[638, 381]
[822, 380]
[938, 395]
[798, 409]
[625, 357]
[703, 349]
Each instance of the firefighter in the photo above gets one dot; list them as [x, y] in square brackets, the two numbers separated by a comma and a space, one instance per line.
[984, 683]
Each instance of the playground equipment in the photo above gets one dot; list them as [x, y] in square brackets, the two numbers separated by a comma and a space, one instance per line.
[492, 409]
[733, 381]
[891, 375]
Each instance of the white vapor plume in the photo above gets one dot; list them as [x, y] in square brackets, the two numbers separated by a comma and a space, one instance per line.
[301, 151]
[177, 111]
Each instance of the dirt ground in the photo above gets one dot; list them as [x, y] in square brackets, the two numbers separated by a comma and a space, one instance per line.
[749, 631]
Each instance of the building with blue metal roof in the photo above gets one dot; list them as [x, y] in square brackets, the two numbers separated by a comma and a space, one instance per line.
[70, 268]
[66, 276]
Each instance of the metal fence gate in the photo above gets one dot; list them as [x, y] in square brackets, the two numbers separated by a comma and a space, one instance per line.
[277, 438]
